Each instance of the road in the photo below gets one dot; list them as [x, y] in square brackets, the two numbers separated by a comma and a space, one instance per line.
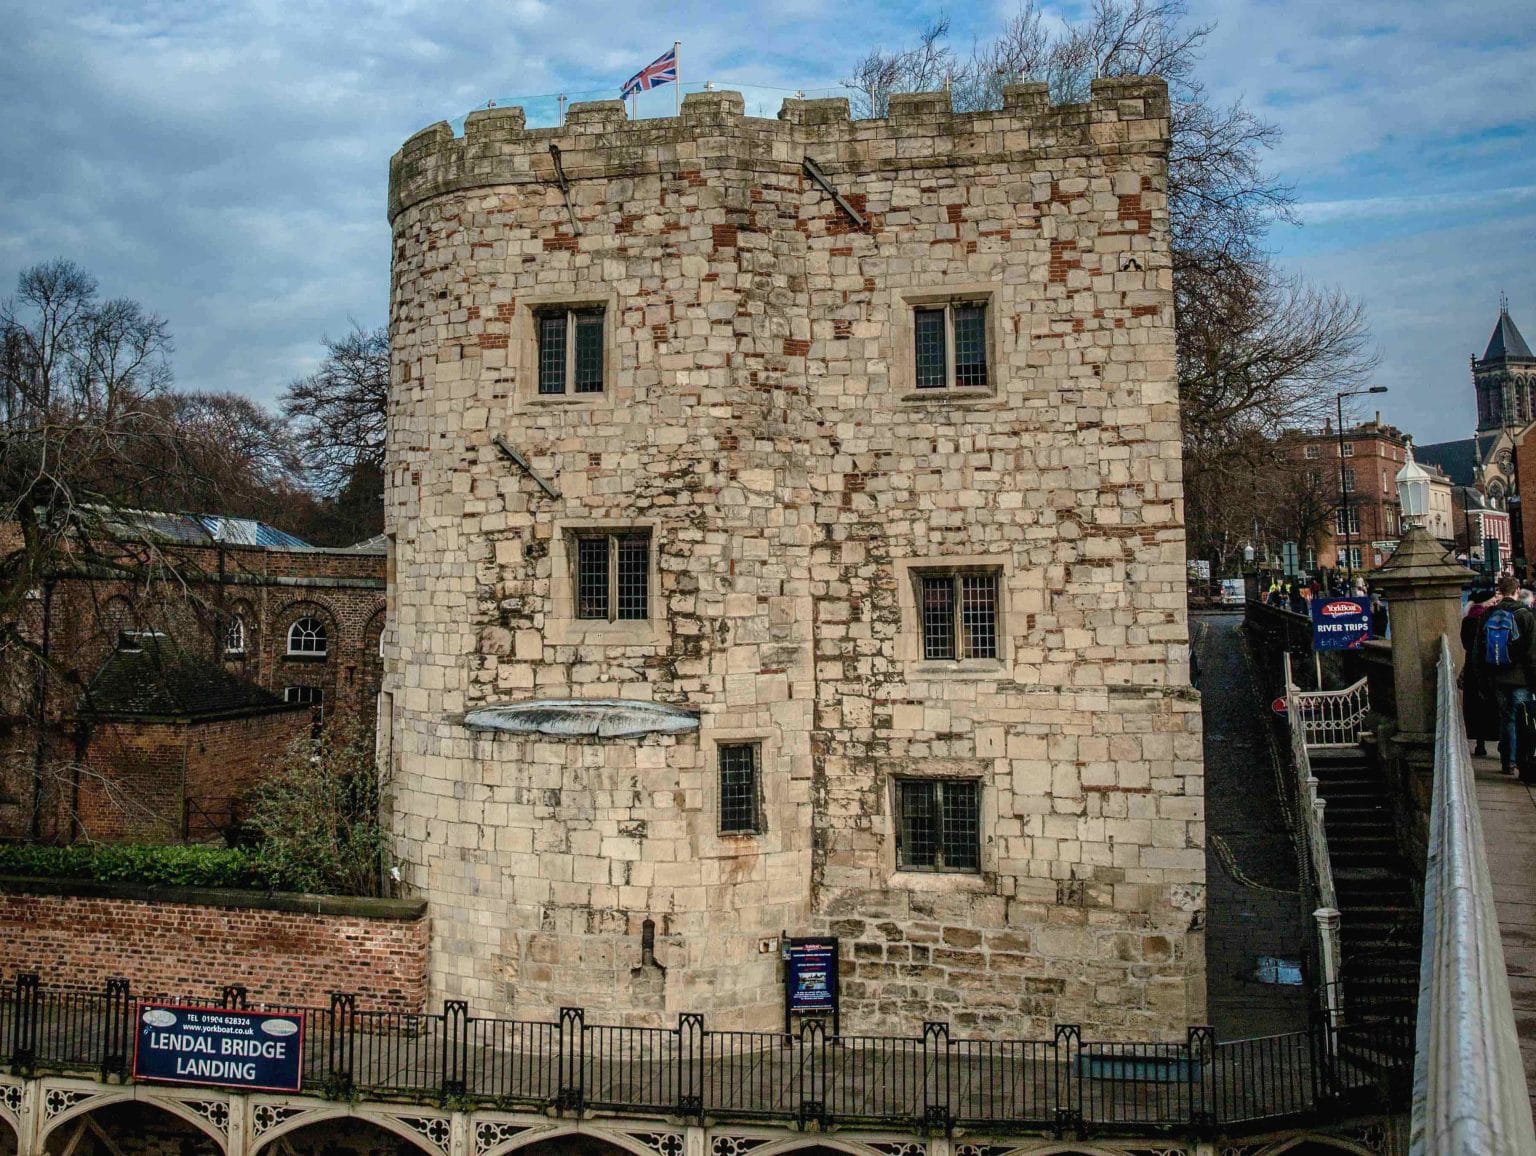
[1253, 907]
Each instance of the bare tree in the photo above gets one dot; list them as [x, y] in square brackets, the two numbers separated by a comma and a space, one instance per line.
[79, 382]
[929, 65]
[238, 458]
[340, 409]
[1252, 489]
[339, 412]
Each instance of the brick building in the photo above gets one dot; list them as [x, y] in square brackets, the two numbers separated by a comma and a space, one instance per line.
[787, 536]
[1362, 467]
[166, 744]
[259, 619]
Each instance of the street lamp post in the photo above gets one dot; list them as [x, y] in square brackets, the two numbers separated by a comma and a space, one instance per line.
[1349, 564]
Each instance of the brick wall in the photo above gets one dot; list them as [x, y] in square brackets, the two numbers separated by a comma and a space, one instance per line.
[193, 948]
[226, 758]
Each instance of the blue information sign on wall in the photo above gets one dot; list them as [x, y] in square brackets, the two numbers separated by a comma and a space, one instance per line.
[1339, 623]
[219, 1046]
[812, 975]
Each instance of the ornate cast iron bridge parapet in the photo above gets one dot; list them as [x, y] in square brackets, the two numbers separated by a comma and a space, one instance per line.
[56, 1110]
[932, 1084]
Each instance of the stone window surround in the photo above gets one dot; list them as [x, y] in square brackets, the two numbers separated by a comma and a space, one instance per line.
[903, 353]
[562, 627]
[983, 772]
[771, 784]
[909, 642]
[523, 349]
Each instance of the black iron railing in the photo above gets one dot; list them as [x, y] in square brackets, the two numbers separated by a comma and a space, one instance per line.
[1066, 1084]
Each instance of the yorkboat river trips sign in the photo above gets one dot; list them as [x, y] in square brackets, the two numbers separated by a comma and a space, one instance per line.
[1339, 623]
[219, 1046]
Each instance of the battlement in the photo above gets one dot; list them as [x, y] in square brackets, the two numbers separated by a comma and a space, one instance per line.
[922, 130]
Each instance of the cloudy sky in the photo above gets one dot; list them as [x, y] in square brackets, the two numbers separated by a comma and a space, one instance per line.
[225, 163]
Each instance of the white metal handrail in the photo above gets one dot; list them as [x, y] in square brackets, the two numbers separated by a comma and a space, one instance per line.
[1314, 835]
[1308, 798]
[1332, 718]
[1469, 1092]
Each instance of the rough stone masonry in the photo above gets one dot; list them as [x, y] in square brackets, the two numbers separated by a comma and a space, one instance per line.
[886, 493]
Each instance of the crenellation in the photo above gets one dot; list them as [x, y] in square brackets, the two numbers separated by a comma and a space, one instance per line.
[1125, 113]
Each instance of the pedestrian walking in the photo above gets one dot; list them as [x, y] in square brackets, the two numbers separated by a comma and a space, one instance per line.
[1479, 709]
[1505, 654]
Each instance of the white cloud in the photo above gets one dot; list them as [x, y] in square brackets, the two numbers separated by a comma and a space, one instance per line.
[1385, 207]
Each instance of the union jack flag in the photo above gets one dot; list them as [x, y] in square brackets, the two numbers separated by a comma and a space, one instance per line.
[662, 70]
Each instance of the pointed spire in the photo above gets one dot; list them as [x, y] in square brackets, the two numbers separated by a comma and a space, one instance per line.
[1506, 340]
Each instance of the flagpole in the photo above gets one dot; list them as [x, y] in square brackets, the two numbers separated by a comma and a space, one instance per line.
[677, 66]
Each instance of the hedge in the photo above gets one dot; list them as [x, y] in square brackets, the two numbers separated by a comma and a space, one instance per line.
[153, 866]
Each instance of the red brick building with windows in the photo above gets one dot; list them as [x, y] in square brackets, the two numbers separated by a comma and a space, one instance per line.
[1362, 467]
[248, 624]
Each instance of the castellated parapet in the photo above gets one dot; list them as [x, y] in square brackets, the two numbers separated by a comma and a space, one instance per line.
[892, 489]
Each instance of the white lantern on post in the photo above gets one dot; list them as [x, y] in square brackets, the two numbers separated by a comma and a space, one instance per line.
[1413, 491]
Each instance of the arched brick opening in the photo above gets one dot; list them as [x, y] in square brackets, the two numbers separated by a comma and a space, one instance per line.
[130, 1126]
[8, 1140]
[344, 1135]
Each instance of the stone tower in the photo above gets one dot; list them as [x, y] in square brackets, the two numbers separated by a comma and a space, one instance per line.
[788, 536]
[1505, 378]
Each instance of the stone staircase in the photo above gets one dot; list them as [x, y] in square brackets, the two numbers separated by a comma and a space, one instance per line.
[1380, 918]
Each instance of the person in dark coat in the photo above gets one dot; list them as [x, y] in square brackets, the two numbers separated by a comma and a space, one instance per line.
[1511, 682]
[1479, 711]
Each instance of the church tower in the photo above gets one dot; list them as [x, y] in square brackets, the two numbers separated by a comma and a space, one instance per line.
[1505, 378]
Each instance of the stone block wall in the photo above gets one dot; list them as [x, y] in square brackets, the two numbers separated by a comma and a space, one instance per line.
[291, 950]
[761, 422]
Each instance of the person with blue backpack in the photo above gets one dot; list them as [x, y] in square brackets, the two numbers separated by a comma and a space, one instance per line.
[1504, 657]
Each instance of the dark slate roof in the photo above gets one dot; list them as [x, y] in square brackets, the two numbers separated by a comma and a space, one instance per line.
[1458, 460]
[1506, 341]
[163, 681]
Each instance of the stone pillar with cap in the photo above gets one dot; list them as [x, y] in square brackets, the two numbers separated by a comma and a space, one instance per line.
[1422, 583]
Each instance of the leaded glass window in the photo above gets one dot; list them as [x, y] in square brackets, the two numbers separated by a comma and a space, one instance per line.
[570, 356]
[740, 789]
[959, 614]
[950, 345]
[938, 824]
[613, 573]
